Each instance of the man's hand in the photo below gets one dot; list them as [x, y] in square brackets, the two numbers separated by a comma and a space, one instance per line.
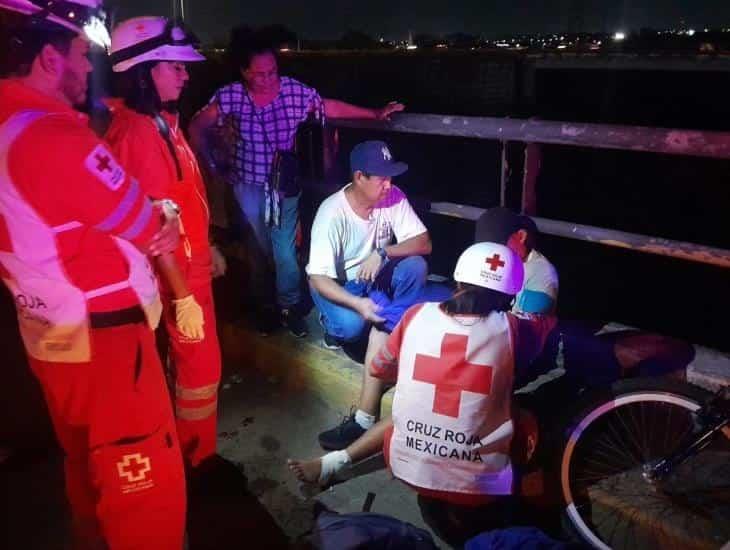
[392, 107]
[166, 239]
[218, 262]
[189, 318]
[370, 267]
[369, 310]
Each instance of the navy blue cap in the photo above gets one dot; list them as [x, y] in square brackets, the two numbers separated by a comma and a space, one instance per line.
[374, 158]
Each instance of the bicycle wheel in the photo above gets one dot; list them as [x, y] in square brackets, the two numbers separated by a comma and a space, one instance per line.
[608, 502]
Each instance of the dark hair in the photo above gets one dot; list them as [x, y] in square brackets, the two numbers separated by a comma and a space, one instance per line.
[498, 224]
[136, 87]
[530, 227]
[476, 300]
[245, 44]
[23, 38]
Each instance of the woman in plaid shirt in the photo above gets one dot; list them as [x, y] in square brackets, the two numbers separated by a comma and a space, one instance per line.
[265, 109]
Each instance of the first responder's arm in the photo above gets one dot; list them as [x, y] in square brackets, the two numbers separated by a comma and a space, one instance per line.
[188, 313]
[90, 186]
[166, 264]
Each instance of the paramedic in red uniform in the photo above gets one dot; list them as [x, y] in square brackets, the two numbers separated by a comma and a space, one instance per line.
[149, 55]
[74, 231]
[451, 435]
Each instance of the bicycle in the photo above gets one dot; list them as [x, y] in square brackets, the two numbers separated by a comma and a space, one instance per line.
[641, 463]
[645, 463]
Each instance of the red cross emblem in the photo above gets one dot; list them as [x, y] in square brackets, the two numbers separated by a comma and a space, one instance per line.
[104, 163]
[134, 467]
[495, 262]
[452, 375]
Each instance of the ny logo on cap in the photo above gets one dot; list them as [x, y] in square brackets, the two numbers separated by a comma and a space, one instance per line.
[386, 154]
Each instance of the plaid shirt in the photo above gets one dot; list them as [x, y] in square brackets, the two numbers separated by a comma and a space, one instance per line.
[264, 130]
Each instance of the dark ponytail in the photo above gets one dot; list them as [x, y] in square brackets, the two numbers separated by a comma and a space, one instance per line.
[476, 300]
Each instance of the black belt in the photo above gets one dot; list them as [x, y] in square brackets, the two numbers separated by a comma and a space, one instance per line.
[106, 319]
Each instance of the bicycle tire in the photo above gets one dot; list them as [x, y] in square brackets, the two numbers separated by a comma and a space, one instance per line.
[614, 485]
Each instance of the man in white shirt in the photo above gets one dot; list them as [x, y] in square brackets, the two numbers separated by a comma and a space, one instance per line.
[359, 277]
[537, 301]
[539, 294]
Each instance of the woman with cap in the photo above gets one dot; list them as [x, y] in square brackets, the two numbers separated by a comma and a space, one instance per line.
[149, 55]
[451, 433]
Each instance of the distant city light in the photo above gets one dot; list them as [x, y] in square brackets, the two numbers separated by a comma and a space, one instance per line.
[562, 46]
[690, 32]
[619, 36]
[411, 47]
[284, 50]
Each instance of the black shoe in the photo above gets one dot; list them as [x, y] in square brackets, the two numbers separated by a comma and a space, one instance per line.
[266, 321]
[331, 342]
[296, 324]
[342, 436]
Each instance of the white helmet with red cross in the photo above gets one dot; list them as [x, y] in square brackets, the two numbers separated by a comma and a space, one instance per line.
[491, 265]
[152, 38]
[86, 17]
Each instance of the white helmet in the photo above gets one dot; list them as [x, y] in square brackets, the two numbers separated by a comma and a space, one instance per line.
[491, 265]
[83, 16]
[151, 38]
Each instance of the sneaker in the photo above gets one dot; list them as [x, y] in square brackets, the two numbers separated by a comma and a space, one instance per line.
[342, 436]
[266, 321]
[331, 342]
[296, 324]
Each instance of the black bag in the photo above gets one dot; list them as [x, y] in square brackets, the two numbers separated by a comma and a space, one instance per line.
[285, 174]
[284, 177]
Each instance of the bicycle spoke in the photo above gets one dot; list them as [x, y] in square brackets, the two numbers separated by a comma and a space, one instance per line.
[612, 497]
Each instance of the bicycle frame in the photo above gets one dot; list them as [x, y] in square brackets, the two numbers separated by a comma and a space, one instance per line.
[714, 416]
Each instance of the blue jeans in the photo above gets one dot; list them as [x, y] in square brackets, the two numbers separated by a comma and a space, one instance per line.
[397, 287]
[269, 247]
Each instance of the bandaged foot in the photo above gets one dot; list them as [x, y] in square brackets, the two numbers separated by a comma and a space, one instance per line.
[320, 470]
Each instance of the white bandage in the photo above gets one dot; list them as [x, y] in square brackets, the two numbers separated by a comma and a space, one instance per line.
[332, 463]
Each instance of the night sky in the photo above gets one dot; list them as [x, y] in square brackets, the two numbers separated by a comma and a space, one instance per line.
[323, 19]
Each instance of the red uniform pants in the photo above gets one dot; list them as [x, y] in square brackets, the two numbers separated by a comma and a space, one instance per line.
[197, 369]
[124, 473]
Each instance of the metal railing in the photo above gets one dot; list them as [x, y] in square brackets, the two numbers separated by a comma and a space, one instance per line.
[532, 133]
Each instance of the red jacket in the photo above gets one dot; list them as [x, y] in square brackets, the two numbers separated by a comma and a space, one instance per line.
[70, 224]
[138, 143]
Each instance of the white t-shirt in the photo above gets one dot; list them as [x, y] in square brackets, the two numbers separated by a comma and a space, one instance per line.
[539, 294]
[342, 240]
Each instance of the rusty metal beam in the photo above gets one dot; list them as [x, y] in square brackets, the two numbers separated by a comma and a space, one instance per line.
[503, 173]
[609, 237]
[599, 136]
[532, 163]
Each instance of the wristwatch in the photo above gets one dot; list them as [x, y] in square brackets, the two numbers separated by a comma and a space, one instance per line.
[382, 253]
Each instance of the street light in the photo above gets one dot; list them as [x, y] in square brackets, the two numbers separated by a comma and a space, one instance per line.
[619, 36]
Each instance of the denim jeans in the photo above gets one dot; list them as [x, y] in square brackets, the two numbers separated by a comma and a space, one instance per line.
[397, 287]
[270, 247]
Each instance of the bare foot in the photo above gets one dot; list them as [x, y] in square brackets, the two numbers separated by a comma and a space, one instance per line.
[306, 470]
